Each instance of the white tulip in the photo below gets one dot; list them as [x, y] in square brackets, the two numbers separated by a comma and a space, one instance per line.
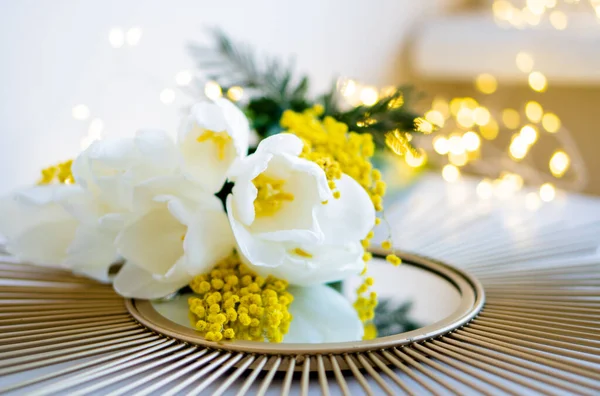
[36, 225]
[212, 137]
[109, 171]
[295, 235]
[179, 232]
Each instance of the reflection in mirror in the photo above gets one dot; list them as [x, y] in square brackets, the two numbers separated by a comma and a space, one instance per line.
[410, 297]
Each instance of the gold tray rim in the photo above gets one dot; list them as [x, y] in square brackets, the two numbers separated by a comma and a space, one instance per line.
[471, 303]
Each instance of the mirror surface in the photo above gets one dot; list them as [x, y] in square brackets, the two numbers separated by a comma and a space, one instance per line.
[409, 296]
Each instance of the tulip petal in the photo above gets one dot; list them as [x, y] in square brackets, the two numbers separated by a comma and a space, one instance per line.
[208, 161]
[153, 242]
[92, 251]
[349, 218]
[135, 282]
[321, 314]
[282, 143]
[237, 125]
[44, 244]
[209, 239]
[258, 252]
[324, 263]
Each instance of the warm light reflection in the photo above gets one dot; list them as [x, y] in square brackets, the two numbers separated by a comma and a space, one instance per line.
[450, 173]
[529, 134]
[518, 148]
[415, 161]
[551, 122]
[212, 90]
[524, 62]
[486, 83]
[489, 131]
[435, 117]
[464, 118]
[484, 189]
[558, 19]
[455, 144]
[537, 81]
[471, 141]
[534, 111]
[481, 116]
[547, 192]
[559, 163]
[235, 93]
[440, 145]
[511, 118]
[442, 106]
[532, 201]
[369, 96]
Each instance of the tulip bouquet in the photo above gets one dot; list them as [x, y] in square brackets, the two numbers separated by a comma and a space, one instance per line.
[299, 215]
[249, 238]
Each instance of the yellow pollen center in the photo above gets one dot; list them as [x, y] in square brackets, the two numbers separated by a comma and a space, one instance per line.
[302, 253]
[270, 197]
[220, 139]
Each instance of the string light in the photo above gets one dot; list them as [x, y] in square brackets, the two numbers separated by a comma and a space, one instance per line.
[518, 148]
[489, 131]
[369, 96]
[524, 62]
[441, 106]
[534, 111]
[464, 118]
[455, 144]
[511, 118]
[558, 19]
[415, 161]
[183, 78]
[559, 163]
[537, 81]
[551, 122]
[349, 88]
[167, 96]
[235, 93]
[486, 83]
[450, 173]
[435, 117]
[440, 145]
[547, 192]
[458, 159]
[537, 7]
[116, 37]
[212, 90]
[513, 181]
[481, 116]
[455, 106]
[503, 10]
[529, 134]
[532, 201]
[471, 141]
[484, 189]
[134, 35]
[80, 112]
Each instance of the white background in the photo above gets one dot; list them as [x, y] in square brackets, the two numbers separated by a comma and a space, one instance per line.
[56, 54]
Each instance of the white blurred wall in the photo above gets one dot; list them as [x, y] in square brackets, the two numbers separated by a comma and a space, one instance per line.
[56, 54]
